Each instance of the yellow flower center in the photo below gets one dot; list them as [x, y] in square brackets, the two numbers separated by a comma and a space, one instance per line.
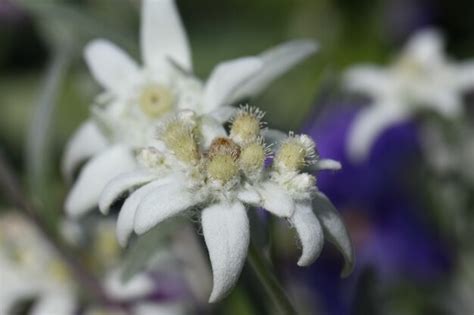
[245, 127]
[252, 157]
[223, 155]
[291, 156]
[179, 138]
[155, 100]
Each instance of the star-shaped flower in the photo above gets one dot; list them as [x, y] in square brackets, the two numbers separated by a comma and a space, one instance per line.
[220, 182]
[136, 96]
[421, 78]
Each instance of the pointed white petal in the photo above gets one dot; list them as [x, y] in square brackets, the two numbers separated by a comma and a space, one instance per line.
[276, 200]
[368, 125]
[56, 302]
[309, 232]
[138, 287]
[225, 79]
[162, 35]
[334, 229]
[326, 164]
[210, 129]
[250, 196]
[368, 79]
[223, 113]
[426, 47]
[227, 233]
[85, 193]
[86, 141]
[121, 184]
[276, 61]
[110, 66]
[165, 202]
[465, 75]
[126, 216]
[446, 103]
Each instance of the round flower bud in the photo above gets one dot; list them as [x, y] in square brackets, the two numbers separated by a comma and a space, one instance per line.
[246, 125]
[252, 157]
[179, 138]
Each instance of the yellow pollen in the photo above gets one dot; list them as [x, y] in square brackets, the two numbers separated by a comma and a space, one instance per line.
[179, 138]
[291, 156]
[155, 100]
[252, 157]
[245, 127]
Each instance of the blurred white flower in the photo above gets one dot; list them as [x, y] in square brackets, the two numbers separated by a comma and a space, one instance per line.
[31, 269]
[220, 180]
[421, 78]
[137, 96]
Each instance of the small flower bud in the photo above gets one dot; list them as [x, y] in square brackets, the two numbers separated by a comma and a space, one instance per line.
[246, 125]
[252, 157]
[295, 153]
[178, 135]
[222, 160]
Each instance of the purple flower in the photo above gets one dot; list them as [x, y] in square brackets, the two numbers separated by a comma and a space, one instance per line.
[378, 199]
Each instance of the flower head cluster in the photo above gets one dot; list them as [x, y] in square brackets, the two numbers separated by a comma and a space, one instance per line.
[136, 97]
[221, 175]
[422, 77]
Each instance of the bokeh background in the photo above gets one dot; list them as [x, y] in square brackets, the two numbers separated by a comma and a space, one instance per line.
[411, 256]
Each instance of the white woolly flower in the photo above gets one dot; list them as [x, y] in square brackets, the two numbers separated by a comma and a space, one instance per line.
[29, 267]
[422, 77]
[136, 96]
[220, 181]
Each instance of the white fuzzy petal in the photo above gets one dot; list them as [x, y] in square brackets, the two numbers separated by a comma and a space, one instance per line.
[225, 79]
[276, 200]
[210, 129]
[369, 124]
[276, 61]
[227, 233]
[56, 302]
[122, 184]
[368, 79]
[137, 287]
[163, 36]
[465, 75]
[129, 209]
[334, 229]
[426, 47]
[85, 193]
[223, 113]
[165, 202]
[86, 141]
[110, 66]
[309, 232]
[250, 196]
[326, 164]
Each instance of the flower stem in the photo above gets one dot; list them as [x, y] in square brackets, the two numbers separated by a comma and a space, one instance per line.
[269, 282]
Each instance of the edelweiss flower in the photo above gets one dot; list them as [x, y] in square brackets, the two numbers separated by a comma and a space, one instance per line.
[31, 269]
[421, 78]
[136, 97]
[221, 181]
